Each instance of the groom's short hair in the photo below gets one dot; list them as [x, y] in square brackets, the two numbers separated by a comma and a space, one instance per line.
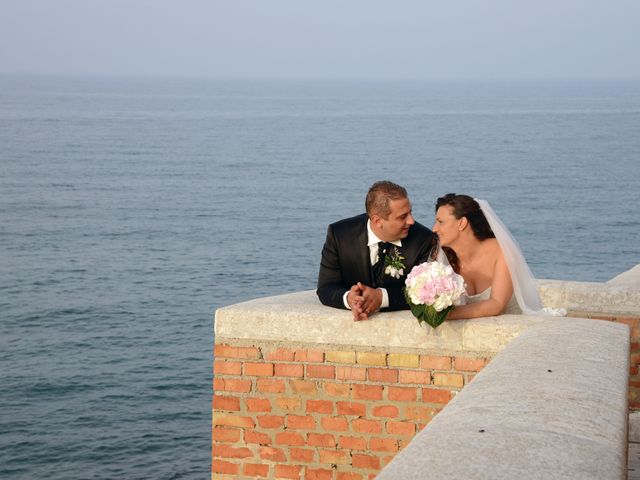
[380, 195]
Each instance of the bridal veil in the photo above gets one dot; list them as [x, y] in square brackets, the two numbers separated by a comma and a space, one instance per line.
[525, 288]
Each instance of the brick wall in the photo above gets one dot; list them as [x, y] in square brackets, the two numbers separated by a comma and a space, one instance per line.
[330, 413]
[324, 414]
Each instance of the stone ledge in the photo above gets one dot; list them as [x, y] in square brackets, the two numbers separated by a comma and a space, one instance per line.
[301, 318]
[552, 404]
[610, 297]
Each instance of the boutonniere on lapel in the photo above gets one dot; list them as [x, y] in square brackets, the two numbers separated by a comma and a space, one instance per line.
[393, 261]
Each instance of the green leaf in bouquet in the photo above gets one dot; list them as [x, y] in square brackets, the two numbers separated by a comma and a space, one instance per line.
[433, 317]
[426, 313]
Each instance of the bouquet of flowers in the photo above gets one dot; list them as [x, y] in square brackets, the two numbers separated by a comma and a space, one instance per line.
[432, 290]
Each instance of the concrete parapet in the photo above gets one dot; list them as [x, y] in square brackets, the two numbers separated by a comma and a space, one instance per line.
[299, 317]
[564, 419]
[613, 297]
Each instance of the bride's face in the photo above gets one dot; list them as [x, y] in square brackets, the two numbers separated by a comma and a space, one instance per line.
[447, 226]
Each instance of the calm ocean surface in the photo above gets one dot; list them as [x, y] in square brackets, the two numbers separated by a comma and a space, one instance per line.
[131, 209]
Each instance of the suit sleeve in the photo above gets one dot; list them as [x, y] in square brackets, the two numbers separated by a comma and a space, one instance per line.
[396, 294]
[330, 286]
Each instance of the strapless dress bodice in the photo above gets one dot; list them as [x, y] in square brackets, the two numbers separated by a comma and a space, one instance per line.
[512, 306]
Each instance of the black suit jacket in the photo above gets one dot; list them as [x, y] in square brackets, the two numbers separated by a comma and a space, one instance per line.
[346, 261]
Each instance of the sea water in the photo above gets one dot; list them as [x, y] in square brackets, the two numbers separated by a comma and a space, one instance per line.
[130, 209]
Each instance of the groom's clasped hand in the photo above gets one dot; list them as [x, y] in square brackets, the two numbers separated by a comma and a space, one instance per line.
[364, 300]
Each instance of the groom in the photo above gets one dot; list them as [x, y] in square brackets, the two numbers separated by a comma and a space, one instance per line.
[365, 259]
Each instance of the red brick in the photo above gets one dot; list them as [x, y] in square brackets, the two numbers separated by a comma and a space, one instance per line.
[233, 421]
[414, 376]
[226, 451]
[386, 375]
[226, 403]
[362, 425]
[369, 462]
[289, 403]
[304, 387]
[255, 470]
[348, 476]
[383, 445]
[337, 390]
[289, 438]
[280, 355]
[289, 370]
[236, 352]
[222, 367]
[388, 411]
[251, 436]
[351, 408]
[258, 369]
[318, 474]
[272, 454]
[288, 471]
[352, 443]
[319, 406]
[231, 385]
[301, 454]
[220, 466]
[334, 424]
[367, 392]
[312, 356]
[270, 421]
[403, 394]
[424, 414]
[401, 428]
[351, 373]
[434, 395]
[386, 460]
[221, 434]
[297, 422]
[469, 364]
[433, 362]
[321, 440]
[258, 404]
[321, 371]
[334, 456]
[268, 385]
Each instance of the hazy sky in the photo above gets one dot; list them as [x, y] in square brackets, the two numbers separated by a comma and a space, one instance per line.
[327, 38]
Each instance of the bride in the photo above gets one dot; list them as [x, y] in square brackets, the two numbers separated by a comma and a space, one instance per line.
[480, 248]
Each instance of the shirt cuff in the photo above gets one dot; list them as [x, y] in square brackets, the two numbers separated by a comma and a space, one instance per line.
[344, 300]
[385, 298]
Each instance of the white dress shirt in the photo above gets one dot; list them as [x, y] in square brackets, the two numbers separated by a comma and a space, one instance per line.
[372, 243]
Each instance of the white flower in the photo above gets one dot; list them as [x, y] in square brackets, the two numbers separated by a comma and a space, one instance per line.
[393, 271]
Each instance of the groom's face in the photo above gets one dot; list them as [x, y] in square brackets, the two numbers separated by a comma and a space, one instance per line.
[396, 226]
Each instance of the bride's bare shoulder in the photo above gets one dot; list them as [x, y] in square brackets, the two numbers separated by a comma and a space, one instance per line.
[492, 247]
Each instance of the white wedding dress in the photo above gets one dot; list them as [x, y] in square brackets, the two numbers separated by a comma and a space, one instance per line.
[511, 308]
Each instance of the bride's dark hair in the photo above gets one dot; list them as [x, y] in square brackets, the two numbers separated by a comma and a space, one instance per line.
[465, 206]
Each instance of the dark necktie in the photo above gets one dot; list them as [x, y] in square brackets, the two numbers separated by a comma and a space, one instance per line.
[378, 269]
